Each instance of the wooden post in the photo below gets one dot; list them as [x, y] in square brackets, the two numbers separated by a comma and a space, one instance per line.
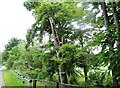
[57, 85]
[30, 83]
[34, 83]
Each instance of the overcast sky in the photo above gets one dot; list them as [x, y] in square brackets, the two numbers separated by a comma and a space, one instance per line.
[14, 21]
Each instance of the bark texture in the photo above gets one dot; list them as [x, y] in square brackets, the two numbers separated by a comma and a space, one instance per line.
[62, 73]
[115, 71]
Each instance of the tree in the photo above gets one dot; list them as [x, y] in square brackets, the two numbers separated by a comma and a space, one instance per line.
[14, 55]
[111, 26]
[108, 38]
[54, 19]
[12, 43]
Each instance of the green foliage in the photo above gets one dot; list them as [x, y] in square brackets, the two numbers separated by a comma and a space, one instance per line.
[50, 67]
[9, 63]
[99, 38]
[100, 78]
[14, 55]
[18, 64]
[5, 55]
[68, 52]
[12, 43]
[39, 60]
[63, 14]
[72, 79]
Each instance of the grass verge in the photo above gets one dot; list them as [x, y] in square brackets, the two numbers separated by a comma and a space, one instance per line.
[10, 79]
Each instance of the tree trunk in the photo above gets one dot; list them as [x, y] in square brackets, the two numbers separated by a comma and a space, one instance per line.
[116, 20]
[62, 73]
[85, 73]
[85, 68]
[115, 81]
[106, 20]
[115, 71]
[105, 15]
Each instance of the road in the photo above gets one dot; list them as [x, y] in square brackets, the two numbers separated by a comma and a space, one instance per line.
[1, 78]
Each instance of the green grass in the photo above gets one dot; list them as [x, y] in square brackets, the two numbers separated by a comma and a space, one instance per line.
[10, 79]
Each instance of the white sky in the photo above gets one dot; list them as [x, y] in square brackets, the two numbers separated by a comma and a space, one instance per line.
[14, 21]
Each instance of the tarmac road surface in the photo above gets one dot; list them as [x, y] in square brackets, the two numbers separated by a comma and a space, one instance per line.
[1, 78]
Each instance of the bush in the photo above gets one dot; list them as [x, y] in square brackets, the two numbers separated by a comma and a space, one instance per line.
[18, 65]
[9, 63]
[100, 78]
